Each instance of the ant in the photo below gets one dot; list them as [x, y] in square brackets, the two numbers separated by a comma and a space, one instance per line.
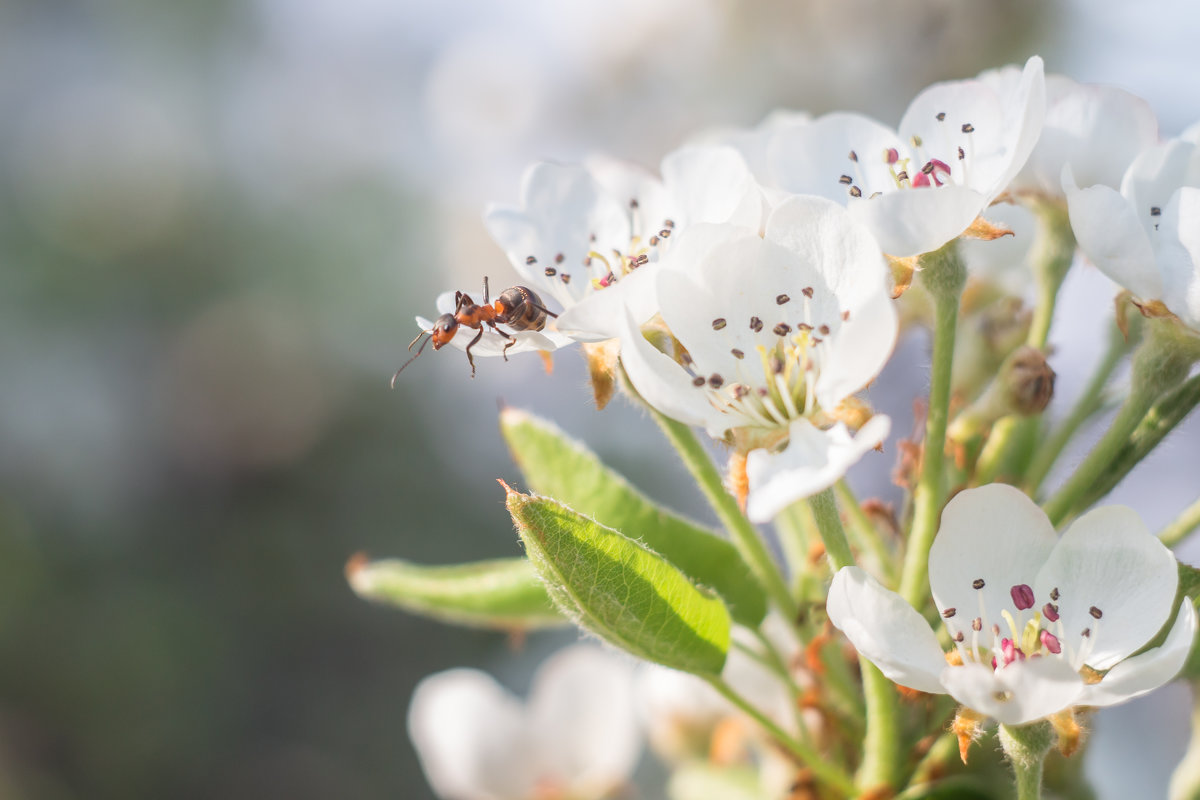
[519, 308]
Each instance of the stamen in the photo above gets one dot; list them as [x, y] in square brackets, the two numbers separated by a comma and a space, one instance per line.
[559, 258]
[845, 180]
[977, 583]
[756, 324]
[551, 272]
[738, 354]
[1022, 596]
[781, 299]
[1050, 612]
[1095, 612]
[716, 381]
[855, 191]
[782, 329]
[698, 381]
[718, 323]
[949, 612]
[968, 128]
[1054, 594]
[807, 291]
[530, 260]
[940, 116]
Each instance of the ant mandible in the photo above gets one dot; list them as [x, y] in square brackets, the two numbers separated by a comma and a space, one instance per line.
[519, 308]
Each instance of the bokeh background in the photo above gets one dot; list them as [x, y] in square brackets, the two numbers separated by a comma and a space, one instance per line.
[217, 221]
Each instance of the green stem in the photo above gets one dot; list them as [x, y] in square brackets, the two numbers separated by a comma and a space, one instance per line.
[1158, 366]
[1088, 404]
[881, 751]
[795, 527]
[1026, 747]
[744, 536]
[1184, 524]
[833, 535]
[1053, 252]
[864, 532]
[944, 277]
[1159, 421]
[824, 770]
[774, 661]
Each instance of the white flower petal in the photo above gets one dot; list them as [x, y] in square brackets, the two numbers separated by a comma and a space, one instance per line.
[1156, 174]
[915, 221]
[582, 715]
[1144, 673]
[1180, 266]
[812, 461]
[994, 533]
[752, 143]
[1109, 561]
[562, 208]
[597, 316]
[663, 383]
[712, 184]
[812, 159]
[470, 735]
[1098, 130]
[857, 350]
[1022, 692]
[1112, 237]
[886, 630]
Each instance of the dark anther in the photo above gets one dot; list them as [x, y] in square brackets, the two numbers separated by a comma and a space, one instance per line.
[670, 223]
[807, 291]
[781, 299]
[530, 260]
[558, 259]
[654, 241]
[1095, 612]
[855, 191]
[961, 154]
[718, 323]
[698, 381]
[737, 353]
[968, 128]
[927, 169]
[716, 381]
[824, 329]
[665, 233]
[804, 326]
[756, 324]
[977, 583]
[853, 156]
[845, 315]
[782, 329]
[846, 180]
[1155, 211]
[633, 203]
[551, 272]
[941, 116]
[565, 278]
[1054, 594]
[949, 612]
[977, 624]
[902, 176]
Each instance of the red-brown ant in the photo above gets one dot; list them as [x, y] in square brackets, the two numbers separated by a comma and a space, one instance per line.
[519, 308]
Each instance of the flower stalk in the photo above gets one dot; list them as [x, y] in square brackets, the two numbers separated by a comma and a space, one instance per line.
[944, 275]
[1026, 747]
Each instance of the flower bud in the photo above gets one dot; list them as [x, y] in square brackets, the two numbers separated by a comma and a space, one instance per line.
[1029, 381]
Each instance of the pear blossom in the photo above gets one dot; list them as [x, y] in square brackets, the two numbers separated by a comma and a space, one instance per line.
[1039, 623]
[958, 146]
[1097, 130]
[587, 237]
[775, 331]
[1146, 237]
[577, 737]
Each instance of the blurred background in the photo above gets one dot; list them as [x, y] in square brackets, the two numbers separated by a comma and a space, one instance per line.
[217, 221]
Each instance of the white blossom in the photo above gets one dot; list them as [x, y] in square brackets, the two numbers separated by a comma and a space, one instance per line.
[588, 237]
[1039, 623]
[1146, 237]
[958, 146]
[777, 331]
[577, 736]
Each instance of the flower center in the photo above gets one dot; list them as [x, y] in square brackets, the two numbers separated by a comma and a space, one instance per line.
[603, 269]
[1001, 636]
[773, 383]
[926, 164]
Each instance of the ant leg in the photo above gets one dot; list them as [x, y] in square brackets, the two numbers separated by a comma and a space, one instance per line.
[471, 358]
[511, 341]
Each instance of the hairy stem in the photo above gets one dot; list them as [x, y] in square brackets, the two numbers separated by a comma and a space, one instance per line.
[944, 276]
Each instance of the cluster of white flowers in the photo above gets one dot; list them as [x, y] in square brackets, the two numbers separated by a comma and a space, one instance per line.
[750, 289]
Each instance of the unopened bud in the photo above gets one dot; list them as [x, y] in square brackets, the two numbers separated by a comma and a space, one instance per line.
[1029, 381]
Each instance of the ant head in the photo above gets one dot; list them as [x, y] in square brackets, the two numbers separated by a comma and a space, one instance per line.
[444, 328]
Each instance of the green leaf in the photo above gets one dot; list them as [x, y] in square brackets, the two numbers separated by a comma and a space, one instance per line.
[620, 590]
[557, 466]
[701, 781]
[504, 594]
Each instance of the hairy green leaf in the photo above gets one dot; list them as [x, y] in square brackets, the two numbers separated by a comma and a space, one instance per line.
[620, 590]
[504, 594]
[559, 467]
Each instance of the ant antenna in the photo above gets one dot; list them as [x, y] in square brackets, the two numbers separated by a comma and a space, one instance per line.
[420, 350]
